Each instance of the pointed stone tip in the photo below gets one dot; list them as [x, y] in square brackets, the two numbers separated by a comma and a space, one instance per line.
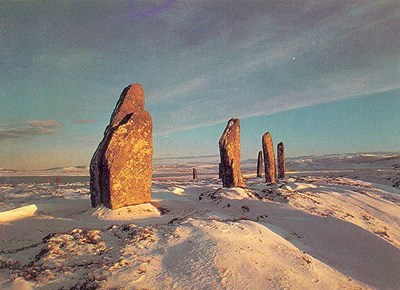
[267, 136]
[231, 124]
[134, 94]
[130, 101]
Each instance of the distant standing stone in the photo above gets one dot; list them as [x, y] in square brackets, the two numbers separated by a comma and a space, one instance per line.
[281, 160]
[229, 148]
[121, 167]
[259, 164]
[269, 158]
[195, 177]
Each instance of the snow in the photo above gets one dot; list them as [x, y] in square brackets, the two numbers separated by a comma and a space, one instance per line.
[18, 213]
[317, 229]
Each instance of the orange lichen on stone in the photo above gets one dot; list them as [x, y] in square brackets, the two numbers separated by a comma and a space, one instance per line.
[269, 158]
[229, 147]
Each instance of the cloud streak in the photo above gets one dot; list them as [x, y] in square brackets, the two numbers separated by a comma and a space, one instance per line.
[83, 121]
[31, 128]
[179, 90]
[280, 57]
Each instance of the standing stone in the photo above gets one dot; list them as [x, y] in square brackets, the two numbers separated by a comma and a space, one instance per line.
[269, 158]
[281, 160]
[121, 167]
[259, 164]
[229, 149]
[195, 177]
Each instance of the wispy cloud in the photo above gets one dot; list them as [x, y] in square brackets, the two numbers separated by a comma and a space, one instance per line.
[178, 89]
[265, 57]
[66, 60]
[84, 121]
[29, 129]
[221, 111]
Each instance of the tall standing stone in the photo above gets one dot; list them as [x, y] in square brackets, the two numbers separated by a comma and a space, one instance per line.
[195, 176]
[229, 148]
[121, 167]
[269, 158]
[259, 164]
[220, 170]
[281, 160]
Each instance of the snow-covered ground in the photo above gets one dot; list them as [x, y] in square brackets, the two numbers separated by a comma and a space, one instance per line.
[383, 168]
[323, 227]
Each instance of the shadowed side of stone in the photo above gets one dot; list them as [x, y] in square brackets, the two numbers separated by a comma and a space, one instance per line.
[259, 164]
[229, 148]
[121, 167]
[269, 158]
[281, 160]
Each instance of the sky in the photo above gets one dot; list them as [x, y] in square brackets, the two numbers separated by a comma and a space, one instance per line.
[321, 76]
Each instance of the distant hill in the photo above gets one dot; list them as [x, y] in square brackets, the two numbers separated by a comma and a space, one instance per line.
[79, 170]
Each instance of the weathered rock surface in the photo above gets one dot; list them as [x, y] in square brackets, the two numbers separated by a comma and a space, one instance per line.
[229, 148]
[121, 167]
[281, 160]
[220, 170]
[259, 164]
[269, 158]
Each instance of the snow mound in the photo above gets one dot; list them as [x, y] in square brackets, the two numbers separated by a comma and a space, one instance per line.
[18, 213]
[183, 254]
[233, 193]
[140, 211]
[293, 186]
[177, 190]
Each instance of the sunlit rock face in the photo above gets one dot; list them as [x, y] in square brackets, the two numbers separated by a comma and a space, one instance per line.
[121, 167]
[281, 160]
[269, 158]
[229, 148]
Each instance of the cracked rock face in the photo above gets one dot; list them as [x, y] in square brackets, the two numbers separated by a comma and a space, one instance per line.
[121, 167]
[269, 158]
[229, 148]
[281, 160]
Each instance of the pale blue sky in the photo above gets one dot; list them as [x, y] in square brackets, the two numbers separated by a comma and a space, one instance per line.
[64, 64]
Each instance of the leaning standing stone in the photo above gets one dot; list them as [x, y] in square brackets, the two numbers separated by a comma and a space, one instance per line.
[259, 164]
[269, 158]
[229, 148]
[121, 167]
[281, 160]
